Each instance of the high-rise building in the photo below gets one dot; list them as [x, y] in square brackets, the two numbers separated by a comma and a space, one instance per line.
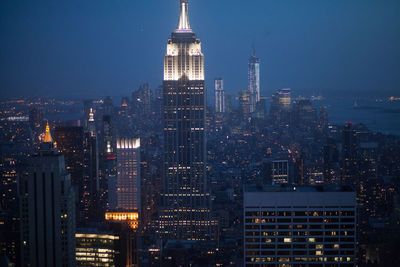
[128, 175]
[185, 211]
[349, 164]
[70, 142]
[254, 80]
[245, 103]
[91, 188]
[142, 100]
[280, 102]
[47, 210]
[219, 95]
[300, 226]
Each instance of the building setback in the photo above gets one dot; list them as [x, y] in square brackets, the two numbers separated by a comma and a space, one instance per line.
[185, 212]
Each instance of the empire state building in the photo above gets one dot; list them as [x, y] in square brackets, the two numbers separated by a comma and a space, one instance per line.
[185, 212]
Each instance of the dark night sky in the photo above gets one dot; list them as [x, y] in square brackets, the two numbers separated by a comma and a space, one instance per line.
[84, 48]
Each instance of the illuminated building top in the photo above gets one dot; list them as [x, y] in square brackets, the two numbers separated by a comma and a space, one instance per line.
[91, 115]
[47, 136]
[131, 218]
[128, 143]
[184, 56]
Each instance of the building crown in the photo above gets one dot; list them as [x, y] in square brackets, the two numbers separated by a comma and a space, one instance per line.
[47, 135]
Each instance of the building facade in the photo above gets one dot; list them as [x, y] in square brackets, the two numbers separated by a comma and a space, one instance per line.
[254, 80]
[97, 249]
[47, 210]
[219, 95]
[128, 174]
[185, 212]
[300, 226]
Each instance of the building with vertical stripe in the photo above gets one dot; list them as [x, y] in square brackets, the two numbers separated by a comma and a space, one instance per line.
[47, 210]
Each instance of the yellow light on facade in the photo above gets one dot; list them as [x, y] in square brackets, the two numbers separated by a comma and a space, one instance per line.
[129, 217]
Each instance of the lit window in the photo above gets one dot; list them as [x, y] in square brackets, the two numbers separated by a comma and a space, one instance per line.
[287, 240]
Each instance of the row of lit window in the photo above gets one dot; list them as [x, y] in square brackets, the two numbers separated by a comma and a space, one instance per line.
[298, 213]
[300, 259]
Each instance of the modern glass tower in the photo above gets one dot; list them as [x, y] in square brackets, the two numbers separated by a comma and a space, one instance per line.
[219, 95]
[185, 212]
[254, 80]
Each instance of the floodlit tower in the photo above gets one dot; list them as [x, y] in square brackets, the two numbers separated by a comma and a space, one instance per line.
[185, 212]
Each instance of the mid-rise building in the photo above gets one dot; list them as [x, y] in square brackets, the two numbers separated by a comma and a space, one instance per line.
[94, 248]
[280, 172]
[300, 226]
[47, 210]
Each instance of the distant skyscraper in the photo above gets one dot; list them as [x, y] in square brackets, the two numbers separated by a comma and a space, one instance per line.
[280, 102]
[219, 95]
[349, 164]
[47, 210]
[185, 211]
[245, 103]
[254, 80]
[91, 189]
[128, 174]
[70, 142]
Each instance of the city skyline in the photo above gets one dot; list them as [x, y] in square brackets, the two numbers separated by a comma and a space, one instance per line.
[259, 171]
[310, 47]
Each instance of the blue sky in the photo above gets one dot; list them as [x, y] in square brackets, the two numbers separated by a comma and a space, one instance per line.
[90, 48]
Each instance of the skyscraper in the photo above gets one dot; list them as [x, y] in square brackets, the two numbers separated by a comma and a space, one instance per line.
[219, 95]
[254, 80]
[47, 210]
[185, 212]
[128, 174]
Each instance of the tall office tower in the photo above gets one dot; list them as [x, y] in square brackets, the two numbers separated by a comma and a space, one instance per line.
[261, 109]
[245, 103]
[36, 123]
[228, 103]
[70, 141]
[331, 162]
[91, 124]
[280, 101]
[219, 95]
[254, 80]
[142, 101]
[91, 189]
[128, 174]
[300, 226]
[185, 213]
[349, 162]
[47, 210]
[87, 109]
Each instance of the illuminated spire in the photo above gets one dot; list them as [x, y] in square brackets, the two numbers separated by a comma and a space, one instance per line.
[91, 115]
[184, 25]
[47, 136]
